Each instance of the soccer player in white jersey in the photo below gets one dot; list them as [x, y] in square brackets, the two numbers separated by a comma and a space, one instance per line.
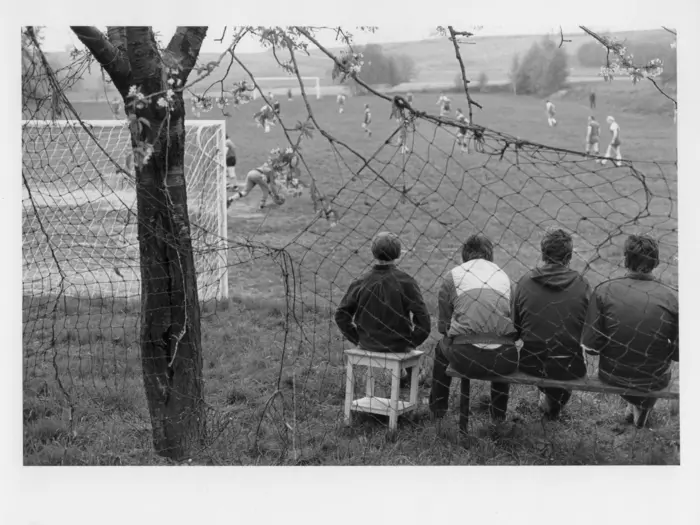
[592, 137]
[462, 139]
[614, 146]
[367, 120]
[551, 111]
[265, 117]
[444, 104]
[341, 102]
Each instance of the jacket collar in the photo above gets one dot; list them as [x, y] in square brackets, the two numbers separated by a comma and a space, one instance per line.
[640, 276]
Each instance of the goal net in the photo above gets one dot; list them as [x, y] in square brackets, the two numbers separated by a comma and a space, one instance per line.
[79, 220]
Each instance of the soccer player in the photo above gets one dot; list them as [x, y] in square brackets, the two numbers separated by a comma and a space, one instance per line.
[367, 120]
[591, 99]
[231, 181]
[341, 102]
[444, 104]
[550, 114]
[289, 94]
[409, 97]
[462, 139]
[265, 177]
[592, 136]
[614, 147]
[265, 117]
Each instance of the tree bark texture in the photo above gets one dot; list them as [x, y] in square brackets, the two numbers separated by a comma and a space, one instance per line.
[171, 350]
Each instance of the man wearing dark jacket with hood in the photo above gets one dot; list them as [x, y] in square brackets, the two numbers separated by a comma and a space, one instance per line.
[549, 310]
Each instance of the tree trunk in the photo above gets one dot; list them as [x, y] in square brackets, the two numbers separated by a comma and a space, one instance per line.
[171, 348]
[170, 318]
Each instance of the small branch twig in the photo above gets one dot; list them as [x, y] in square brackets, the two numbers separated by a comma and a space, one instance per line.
[561, 35]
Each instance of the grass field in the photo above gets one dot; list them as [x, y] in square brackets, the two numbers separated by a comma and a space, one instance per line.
[273, 361]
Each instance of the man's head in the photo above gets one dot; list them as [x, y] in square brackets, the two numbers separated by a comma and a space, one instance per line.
[591, 118]
[557, 247]
[610, 119]
[477, 247]
[641, 253]
[386, 247]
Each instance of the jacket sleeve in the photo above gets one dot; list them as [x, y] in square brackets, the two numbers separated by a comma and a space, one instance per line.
[593, 337]
[421, 317]
[446, 297]
[515, 313]
[675, 355]
[345, 314]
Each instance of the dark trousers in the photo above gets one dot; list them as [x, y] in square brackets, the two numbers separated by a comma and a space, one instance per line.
[474, 363]
[560, 369]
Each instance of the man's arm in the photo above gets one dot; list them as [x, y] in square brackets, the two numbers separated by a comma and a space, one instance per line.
[593, 338]
[421, 317]
[515, 312]
[446, 297]
[345, 314]
[589, 130]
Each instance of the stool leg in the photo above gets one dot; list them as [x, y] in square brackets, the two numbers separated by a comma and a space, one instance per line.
[394, 401]
[464, 405]
[415, 372]
[349, 392]
[369, 384]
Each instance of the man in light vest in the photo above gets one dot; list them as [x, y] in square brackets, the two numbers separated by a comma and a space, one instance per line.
[614, 147]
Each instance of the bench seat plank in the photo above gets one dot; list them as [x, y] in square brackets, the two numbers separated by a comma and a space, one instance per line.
[587, 384]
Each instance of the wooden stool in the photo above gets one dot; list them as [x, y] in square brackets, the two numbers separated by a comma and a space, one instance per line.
[392, 407]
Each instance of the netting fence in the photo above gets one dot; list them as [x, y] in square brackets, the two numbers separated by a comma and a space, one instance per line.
[274, 374]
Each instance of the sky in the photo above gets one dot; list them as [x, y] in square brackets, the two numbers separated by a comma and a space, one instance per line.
[412, 21]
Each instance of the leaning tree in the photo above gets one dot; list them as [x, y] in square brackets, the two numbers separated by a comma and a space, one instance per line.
[150, 80]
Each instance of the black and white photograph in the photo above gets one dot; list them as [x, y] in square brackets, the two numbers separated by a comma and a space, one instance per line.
[398, 241]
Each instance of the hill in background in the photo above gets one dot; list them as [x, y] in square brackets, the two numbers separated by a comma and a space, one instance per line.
[434, 59]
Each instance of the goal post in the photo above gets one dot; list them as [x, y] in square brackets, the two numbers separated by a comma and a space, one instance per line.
[291, 84]
[79, 215]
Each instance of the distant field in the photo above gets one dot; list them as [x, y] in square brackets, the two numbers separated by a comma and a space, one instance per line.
[254, 350]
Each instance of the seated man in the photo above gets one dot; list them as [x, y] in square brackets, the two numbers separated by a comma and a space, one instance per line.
[384, 311]
[478, 336]
[632, 322]
[549, 309]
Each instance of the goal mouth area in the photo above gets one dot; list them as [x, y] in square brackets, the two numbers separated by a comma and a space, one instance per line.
[80, 213]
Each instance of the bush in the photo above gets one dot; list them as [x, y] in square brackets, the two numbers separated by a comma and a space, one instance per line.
[542, 71]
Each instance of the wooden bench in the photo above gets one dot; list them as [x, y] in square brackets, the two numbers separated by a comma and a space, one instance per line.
[590, 383]
[393, 406]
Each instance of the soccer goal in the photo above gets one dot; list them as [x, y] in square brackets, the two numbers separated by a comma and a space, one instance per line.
[282, 84]
[79, 220]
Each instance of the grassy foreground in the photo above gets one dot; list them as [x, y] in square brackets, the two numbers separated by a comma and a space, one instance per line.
[274, 379]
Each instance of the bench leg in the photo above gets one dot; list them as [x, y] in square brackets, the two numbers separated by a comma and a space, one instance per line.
[464, 405]
[394, 401]
[349, 392]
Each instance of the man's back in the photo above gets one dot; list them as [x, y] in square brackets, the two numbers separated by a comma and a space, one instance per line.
[549, 309]
[633, 323]
[380, 304]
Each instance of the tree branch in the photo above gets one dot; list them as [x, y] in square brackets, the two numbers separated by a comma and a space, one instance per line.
[115, 64]
[184, 46]
[465, 82]
[117, 37]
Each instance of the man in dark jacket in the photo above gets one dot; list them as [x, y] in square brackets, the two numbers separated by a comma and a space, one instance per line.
[632, 322]
[376, 311]
[549, 309]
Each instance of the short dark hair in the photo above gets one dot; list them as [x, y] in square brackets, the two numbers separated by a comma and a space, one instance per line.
[386, 246]
[641, 253]
[557, 247]
[477, 246]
